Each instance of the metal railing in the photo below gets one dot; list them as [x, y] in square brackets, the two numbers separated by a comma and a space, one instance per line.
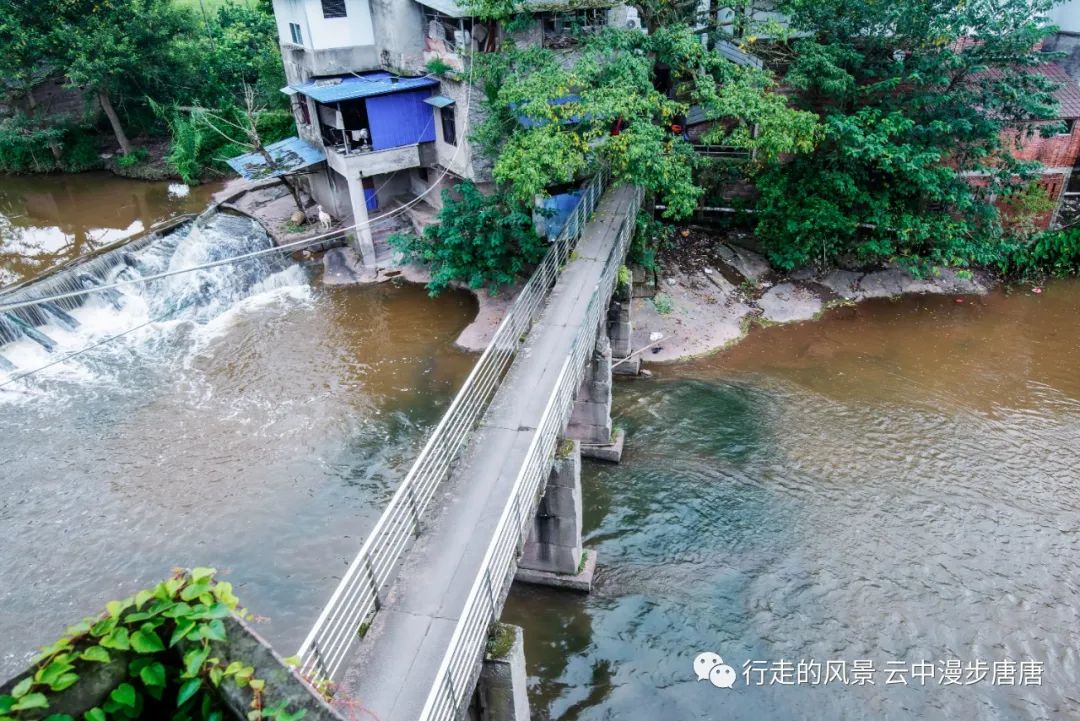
[456, 675]
[357, 596]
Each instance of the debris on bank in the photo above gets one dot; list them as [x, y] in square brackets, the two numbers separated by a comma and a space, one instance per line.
[705, 294]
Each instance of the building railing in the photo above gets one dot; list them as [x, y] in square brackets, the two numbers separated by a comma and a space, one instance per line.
[456, 676]
[358, 595]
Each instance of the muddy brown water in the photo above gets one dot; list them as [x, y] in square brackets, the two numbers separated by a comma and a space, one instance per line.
[48, 219]
[894, 484]
[254, 421]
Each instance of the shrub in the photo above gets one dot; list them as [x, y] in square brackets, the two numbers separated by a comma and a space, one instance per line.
[479, 239]
[130, 160]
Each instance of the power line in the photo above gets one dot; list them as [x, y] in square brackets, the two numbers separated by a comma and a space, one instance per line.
[265, 251]
[80, 352]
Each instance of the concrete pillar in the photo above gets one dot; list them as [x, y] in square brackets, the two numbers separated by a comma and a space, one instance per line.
[590, 420]
[620, 327]
[502, 689]
[554, 543]
[363, 242]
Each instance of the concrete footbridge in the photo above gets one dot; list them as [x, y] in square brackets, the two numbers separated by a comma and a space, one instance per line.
[495, 494]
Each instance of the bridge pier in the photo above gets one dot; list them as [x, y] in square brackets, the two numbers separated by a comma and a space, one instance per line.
[620, 328]
[590, 419]
[553, 554]
[502, 689]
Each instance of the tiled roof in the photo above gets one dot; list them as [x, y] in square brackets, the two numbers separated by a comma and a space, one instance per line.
[1068, 94]
[335, 90]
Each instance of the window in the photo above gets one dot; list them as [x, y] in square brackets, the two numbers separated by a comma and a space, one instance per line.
[1070, 123]
[333, 9]
[449, 130]
[297, 36]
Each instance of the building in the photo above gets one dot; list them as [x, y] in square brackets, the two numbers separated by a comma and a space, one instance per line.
[380, 90]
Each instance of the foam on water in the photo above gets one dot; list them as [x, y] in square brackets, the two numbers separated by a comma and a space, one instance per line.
[177, 315]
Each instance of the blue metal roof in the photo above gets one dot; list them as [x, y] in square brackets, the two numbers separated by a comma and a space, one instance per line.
[335, 90]
[289, 155]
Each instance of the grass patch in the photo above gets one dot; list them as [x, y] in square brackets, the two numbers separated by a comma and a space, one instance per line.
[565, 449]
[500, 640]
[663, 304]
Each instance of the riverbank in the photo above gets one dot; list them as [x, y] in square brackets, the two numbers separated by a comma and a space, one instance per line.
[705, 295]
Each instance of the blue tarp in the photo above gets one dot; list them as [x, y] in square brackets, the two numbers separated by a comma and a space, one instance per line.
[368, 85]
[562, 206]
[289, 155]
[528, 122]
[400, 119]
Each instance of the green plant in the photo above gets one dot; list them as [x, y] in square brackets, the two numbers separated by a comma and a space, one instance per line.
[438, 66]
[500, 640]
[130, 160]
[483, 240]
[663, 304]
[164, 638]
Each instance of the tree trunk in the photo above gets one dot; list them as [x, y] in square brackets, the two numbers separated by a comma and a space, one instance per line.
[272, 165]
[114, 120]
[295, 193]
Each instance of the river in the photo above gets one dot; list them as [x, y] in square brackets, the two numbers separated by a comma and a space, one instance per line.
[255, 421]
[893, 484]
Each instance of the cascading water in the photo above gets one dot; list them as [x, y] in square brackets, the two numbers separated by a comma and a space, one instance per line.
[36, 337]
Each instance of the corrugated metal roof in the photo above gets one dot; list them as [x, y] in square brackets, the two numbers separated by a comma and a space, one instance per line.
[335, 90]
[1067, 93]
[739, 57]
[457, 10]
[289, 155]
[439, 101]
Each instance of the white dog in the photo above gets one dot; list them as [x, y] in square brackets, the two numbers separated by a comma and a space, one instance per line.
[324, 219]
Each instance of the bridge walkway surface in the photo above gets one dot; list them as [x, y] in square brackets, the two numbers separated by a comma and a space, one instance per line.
[395, 666]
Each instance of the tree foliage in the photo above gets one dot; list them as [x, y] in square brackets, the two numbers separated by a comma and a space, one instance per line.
[481, 240]
[142, 62]
[549, 122]
[164, 641]
[915, 98]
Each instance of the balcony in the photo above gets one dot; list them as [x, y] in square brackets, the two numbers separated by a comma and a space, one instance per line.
[366, 163]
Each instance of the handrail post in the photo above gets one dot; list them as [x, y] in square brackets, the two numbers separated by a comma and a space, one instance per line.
[374, 583]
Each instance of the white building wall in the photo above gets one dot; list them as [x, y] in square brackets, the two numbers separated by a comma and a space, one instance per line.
[291, 11]
[328, 33]
[1067, 16]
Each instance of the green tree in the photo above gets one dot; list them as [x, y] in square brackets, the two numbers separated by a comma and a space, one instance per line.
[482, 240]
[915, 99]
[123, 50]
[549, 124]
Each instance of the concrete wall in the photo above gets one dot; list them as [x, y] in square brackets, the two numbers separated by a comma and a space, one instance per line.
[1067, 16]
[400, 38]
[461, 159]
[321, 33]
[554, 543]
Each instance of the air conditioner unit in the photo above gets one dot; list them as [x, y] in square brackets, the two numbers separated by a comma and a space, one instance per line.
[462, 38]
[633, 24]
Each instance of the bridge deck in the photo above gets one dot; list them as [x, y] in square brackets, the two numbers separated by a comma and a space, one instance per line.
[394, 666]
